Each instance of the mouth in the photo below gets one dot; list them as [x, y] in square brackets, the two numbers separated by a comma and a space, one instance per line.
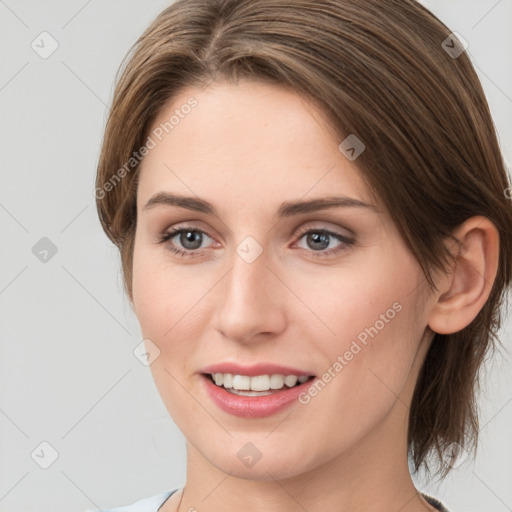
[259, 385]
[255, 391]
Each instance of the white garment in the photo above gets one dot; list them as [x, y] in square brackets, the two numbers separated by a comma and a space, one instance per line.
[151, 504]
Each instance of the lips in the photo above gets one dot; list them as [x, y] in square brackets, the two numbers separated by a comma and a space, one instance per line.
[254, 406]
[255, 369]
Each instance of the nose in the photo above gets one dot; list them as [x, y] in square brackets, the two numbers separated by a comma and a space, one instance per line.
[250, 301]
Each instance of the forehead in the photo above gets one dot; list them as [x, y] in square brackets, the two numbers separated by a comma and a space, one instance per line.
[253, 141]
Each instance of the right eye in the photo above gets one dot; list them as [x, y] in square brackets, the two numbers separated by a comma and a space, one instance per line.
[189, 237]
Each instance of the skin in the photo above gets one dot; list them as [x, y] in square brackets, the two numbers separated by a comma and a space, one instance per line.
[247, 148]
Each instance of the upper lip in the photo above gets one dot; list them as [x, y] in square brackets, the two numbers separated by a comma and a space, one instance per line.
[255, 369]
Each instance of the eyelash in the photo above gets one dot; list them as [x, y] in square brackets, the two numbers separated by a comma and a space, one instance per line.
[168, 235]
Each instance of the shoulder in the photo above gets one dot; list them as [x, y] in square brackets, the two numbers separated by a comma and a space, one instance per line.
[151, 504]
[435, 502]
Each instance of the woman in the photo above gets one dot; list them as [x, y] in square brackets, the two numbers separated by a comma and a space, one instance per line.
[311, 209]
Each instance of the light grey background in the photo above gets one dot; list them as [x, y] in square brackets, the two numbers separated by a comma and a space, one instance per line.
[68, 376]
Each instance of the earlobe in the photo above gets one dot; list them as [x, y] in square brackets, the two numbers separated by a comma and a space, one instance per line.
[466, 289]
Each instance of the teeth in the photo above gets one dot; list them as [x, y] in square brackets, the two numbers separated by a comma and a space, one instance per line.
[250, 393]
[241, 382]
[276, 381]
[227, 379]
[290, 380]
[257, 383]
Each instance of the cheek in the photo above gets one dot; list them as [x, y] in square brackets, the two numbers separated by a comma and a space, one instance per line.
[171, 302]
[375, 292]
[161, 293]
[374, 329]
[159, 297]
[167, 305]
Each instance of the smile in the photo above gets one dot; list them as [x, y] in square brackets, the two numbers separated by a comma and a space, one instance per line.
[259, 385]
[273, 394]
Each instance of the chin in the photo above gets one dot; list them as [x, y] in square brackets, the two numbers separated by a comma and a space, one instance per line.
[276, 465]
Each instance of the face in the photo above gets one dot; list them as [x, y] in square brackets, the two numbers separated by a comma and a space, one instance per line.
[257, 278]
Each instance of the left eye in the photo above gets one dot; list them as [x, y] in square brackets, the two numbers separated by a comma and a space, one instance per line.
[320, 239]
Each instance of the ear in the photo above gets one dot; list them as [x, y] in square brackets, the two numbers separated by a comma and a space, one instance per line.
[463, 292]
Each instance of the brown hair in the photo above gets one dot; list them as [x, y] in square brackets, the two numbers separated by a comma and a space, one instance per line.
[380, 70]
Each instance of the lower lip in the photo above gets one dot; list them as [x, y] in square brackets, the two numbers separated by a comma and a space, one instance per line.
[253, 406]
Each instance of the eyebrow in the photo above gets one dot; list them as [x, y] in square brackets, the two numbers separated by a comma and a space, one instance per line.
[287, 209]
